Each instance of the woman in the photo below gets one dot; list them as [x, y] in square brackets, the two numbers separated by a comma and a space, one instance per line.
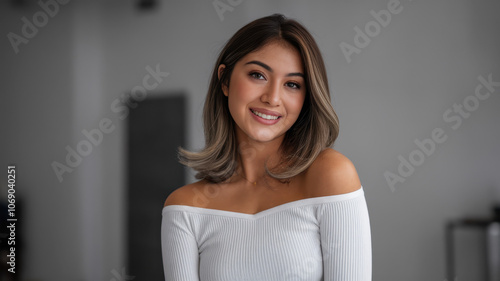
[274, 202]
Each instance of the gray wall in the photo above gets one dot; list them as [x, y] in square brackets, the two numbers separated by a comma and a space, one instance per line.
[394, 91]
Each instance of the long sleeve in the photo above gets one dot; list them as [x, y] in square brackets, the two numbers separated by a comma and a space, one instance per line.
[346, 240]
[179, 248]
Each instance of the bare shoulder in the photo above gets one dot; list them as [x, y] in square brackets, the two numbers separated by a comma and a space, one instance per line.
[183, 195]
[331, 173]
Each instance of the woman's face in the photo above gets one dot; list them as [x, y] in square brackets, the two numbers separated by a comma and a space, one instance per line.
[266, 92]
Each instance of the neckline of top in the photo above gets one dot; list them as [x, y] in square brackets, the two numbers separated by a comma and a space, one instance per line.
[296, 203]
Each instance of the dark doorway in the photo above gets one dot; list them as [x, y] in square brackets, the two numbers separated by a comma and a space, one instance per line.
[156, 127]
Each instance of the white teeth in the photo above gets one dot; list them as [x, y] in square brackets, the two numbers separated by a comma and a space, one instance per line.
[265, 116]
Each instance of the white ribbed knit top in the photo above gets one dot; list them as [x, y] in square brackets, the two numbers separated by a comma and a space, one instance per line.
[321, 238]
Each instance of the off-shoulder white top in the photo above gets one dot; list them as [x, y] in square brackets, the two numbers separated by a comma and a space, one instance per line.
[321, 238]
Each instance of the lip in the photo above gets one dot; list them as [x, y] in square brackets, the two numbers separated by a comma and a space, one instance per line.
[267, 112]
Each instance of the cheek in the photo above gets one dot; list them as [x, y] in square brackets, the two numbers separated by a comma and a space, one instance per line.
[238, 97]
[295, 105]
[243, 88]
[241, 94]
[237, 87]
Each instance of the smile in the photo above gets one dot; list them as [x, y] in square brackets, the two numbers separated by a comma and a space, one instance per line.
[265, 116]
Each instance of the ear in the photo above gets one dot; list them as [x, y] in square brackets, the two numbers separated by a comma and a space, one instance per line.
[219, 74]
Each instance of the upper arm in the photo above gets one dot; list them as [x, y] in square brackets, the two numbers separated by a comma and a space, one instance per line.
[332, 173]
[344, 225]
[180, 253]
[345, 237]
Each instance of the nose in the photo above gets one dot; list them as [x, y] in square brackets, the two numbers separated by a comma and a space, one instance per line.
[272, 94]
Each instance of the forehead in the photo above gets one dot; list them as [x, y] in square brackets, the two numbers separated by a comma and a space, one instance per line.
[279, 55]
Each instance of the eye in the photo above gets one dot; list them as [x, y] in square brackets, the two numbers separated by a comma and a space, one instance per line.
[293, 85]
[257, 75]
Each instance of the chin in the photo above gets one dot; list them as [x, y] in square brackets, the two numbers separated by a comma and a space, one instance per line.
[261, 139]
[265, 137]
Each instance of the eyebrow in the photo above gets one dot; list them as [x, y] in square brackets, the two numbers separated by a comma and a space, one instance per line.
[271, 70]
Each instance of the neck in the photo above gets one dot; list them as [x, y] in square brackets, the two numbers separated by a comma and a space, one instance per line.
[254, 156]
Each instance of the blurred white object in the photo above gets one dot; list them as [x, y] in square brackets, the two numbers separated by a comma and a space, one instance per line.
[493, 251]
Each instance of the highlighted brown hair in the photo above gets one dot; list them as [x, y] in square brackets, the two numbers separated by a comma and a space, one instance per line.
[316, 128]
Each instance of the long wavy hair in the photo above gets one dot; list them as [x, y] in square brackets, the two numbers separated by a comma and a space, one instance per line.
[316, 128]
